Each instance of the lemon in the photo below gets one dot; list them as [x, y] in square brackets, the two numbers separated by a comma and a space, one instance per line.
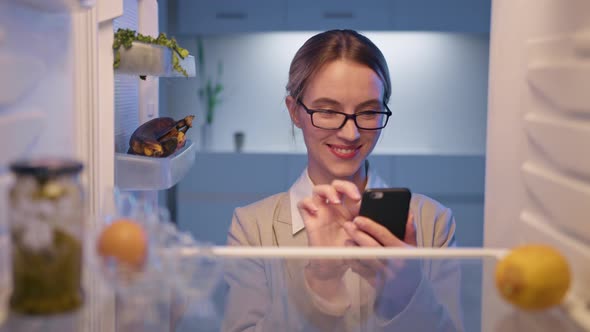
[533, 277]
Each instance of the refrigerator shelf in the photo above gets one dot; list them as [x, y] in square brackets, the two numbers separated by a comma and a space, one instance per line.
[58, 6]
[152, 60]
[147, 173]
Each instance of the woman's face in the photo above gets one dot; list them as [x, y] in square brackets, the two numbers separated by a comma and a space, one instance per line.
[347, 87]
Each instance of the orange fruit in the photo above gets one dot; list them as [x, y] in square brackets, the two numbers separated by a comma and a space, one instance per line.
[126, 241]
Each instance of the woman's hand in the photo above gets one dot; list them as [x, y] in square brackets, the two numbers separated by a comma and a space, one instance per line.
[367, 233]
[328, 217]
[327, 211]
[395, 280]
[324, 214]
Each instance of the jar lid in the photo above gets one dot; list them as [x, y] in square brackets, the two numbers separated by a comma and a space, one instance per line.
[46, 167]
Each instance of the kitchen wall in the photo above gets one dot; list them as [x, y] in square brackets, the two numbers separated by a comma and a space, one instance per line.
[439, 83]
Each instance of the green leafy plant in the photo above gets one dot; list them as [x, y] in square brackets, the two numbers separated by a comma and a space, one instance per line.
[210, 89]
[126, 37]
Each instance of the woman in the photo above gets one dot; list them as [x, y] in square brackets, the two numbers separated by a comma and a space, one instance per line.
[338, 91]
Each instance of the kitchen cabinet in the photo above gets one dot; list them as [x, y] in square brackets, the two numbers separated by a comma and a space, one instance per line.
[229, 16]
[331, 14]
[470, 16]
[390, 15]
[235, 16]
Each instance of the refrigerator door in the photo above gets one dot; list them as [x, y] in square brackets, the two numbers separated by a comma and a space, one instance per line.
[537, 172]
[55, 57]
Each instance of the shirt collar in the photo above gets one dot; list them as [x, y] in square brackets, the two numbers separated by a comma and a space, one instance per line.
[303, 187]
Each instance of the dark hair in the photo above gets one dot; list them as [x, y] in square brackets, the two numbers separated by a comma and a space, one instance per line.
[331, 45]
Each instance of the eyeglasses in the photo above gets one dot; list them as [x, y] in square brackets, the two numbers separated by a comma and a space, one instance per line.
[333, 120]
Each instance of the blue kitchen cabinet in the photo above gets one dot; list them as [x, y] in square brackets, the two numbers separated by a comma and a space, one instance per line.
[209, 17]
[339, 14]
[462, 16]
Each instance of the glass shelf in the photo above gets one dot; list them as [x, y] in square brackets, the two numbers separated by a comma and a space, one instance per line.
[456, 292]
[152, 60]
[134, 172]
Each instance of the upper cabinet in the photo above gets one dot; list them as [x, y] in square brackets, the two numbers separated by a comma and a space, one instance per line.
[439, 15]
[229, 16]
[339, 14]
[234, 16]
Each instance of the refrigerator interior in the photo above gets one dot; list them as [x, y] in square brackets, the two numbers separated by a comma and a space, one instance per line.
[36, 104]
[538, 126]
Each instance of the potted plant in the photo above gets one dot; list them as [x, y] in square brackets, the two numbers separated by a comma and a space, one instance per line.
[126, 38]
[210, 89]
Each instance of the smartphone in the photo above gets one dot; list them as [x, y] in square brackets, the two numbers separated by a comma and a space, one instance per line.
[388, 207]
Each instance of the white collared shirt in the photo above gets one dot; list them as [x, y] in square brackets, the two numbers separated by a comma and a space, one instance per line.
[303, 187]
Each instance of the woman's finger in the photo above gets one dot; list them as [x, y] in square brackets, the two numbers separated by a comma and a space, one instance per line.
[327, 193]
[366, 273]
[410, 237]
[378, 232]
[350, 194]
[361, 238]
[378, 266]
[376, 272]
[335, 192]
[347, 188]
[307, 208]
[395, 264]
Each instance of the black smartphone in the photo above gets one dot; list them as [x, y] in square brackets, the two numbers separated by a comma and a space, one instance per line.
[388, 207]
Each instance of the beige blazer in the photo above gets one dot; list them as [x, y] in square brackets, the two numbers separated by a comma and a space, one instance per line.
[271, 294]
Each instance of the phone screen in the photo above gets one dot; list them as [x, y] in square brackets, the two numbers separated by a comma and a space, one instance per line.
[388, 207]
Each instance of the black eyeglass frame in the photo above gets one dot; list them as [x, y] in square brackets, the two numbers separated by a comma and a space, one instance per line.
[387, 113]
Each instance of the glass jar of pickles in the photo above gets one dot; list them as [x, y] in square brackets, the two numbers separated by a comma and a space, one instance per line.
[47, 217]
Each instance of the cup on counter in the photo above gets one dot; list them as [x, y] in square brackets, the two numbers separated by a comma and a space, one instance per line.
[239, 138]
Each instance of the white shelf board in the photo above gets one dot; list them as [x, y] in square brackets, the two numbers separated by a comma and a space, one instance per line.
[134, 172]
[152, 60]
